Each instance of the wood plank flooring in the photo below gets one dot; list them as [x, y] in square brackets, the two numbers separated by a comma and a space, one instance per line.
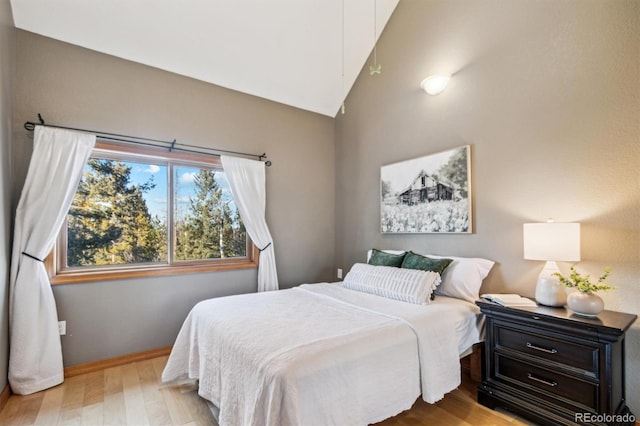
[132, 395]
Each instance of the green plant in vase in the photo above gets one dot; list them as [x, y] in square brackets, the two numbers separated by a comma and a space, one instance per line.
[584, 301]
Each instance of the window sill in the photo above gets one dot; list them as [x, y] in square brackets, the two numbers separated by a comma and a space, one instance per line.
[76, 277]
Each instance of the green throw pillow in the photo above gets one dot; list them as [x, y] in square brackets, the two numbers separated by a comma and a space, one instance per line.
[380, 258]
[416, 261]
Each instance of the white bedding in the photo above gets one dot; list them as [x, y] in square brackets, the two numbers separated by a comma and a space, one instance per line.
[320, 354]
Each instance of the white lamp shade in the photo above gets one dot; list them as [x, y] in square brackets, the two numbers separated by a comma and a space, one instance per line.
[552, 241]
[435, 84]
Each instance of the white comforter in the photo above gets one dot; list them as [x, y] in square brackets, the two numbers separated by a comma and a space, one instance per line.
[316, 355]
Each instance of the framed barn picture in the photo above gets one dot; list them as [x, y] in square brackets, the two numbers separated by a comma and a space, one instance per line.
[430, 194]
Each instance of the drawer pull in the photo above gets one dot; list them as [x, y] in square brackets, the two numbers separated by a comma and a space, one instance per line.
[546, 382]
[538, 348]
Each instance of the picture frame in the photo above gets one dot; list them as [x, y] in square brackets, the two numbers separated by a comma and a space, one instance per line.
[428, 194]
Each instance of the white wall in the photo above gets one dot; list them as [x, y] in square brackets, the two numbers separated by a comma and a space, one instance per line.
[548, 95]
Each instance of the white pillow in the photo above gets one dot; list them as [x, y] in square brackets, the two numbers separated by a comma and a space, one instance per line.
[407, 285]
[462, 278]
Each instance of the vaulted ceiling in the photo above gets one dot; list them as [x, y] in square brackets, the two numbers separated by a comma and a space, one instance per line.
[303, 53]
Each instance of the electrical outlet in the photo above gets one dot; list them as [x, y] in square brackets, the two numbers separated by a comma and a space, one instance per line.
[62, 327]
[339, 273]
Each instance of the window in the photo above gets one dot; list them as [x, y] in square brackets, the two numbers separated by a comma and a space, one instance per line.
[140, 212]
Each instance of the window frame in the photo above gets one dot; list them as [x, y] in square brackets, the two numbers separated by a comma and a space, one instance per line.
[61, 274]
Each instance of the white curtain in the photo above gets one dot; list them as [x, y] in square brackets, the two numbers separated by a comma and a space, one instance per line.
[247, 182]
[56, 167]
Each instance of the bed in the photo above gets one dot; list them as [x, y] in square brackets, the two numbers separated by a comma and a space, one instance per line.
[323, 353]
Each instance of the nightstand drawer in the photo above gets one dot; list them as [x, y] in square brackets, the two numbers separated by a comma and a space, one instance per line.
[571, 354]
[527, 376]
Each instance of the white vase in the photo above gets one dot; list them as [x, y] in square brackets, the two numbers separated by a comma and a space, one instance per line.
[549, 291]
[585, 304]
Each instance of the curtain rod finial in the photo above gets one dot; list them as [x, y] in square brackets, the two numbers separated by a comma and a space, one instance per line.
[263, 156]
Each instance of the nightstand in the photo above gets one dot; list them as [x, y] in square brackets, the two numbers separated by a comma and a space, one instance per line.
[549, 365]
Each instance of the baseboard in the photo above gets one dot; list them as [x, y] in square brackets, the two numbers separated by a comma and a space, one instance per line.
[77, 370]
[4, 396]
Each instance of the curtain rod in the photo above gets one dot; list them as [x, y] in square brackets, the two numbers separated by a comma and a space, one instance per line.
[170, 145]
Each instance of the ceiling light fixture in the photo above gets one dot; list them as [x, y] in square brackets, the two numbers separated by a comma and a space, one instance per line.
[435, 84]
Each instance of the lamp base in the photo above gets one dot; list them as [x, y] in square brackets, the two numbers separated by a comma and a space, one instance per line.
[549, 291]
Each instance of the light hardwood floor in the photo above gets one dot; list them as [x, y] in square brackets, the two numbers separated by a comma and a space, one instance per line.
[132, 395]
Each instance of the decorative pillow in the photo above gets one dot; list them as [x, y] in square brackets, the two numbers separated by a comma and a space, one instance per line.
[463, 277]
[381, 258]
[407, 285]
[416, 261]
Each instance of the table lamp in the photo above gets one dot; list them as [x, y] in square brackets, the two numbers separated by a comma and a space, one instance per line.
[551, 241]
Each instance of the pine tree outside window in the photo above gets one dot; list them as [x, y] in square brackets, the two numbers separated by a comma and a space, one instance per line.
[141, 212]
[207, 222]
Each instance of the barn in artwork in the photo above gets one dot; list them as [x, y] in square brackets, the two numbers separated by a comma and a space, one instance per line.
[426, 188]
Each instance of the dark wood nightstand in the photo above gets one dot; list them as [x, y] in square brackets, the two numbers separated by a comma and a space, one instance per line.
[549, 365]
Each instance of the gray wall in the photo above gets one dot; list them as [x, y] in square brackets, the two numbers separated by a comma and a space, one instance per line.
[7, 66]
[77, 87]
[548, 95]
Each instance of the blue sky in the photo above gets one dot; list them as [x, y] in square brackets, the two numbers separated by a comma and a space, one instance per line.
[157, 197]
